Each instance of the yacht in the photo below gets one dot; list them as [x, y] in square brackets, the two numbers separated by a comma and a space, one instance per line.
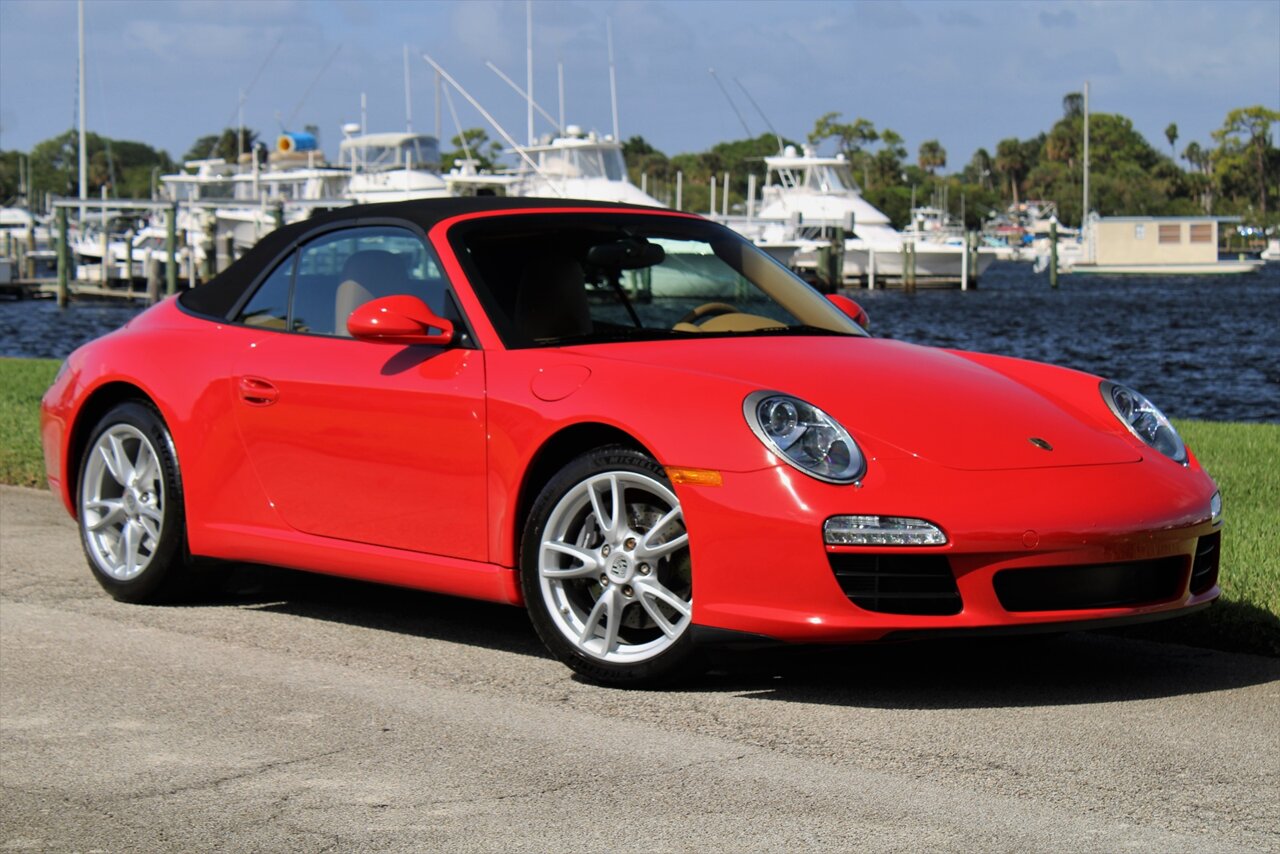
[809, 196]
[578, 165]
[390, 167]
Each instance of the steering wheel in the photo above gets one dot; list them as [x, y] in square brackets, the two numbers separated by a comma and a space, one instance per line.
[708, 310]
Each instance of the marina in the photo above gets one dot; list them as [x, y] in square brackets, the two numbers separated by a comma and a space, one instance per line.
[1162, 334]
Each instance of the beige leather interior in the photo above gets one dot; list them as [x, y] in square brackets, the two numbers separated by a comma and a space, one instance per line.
[367, 275]
[736, 322]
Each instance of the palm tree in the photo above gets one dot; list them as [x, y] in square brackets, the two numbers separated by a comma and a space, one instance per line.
[932, 155]
[1009, 162]
[1171, 134]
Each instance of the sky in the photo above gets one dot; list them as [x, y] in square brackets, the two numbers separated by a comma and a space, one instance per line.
[965, 73]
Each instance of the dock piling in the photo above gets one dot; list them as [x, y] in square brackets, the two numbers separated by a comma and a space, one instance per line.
[104, 274]
[171, 250]
[129, 237]
[871, 269]
[1053, 253]
[31, 250]
[153, 277]
[63, 257]
[211, 250]
[964, 264]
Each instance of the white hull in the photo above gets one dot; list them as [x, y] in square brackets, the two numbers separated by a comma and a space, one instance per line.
[1206, 269]
[931, 260]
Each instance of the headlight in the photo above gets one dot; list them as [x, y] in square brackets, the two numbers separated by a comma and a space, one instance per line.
[804, 436]
[1144, 420]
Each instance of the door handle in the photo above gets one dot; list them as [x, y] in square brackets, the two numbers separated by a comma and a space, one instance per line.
[256, 391]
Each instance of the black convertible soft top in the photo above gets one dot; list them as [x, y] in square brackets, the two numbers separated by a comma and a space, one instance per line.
[217, 297]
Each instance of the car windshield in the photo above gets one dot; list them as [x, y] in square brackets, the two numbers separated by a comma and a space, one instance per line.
[551, 278]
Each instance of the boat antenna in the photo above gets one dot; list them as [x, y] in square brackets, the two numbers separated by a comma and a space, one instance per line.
[734, 106]
[560, 81]
[767, 123]
[528, 70]
[523, 94]
[312, 85]
[613, 80]
[515, 146]
[84, 185]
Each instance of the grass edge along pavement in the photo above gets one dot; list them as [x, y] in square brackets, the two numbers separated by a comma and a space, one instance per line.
[1239, 456]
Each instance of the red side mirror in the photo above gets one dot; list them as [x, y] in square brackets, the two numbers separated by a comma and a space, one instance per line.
[400, 319]
[855, 312]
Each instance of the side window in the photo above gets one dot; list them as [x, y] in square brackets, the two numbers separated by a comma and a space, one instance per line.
[270, 305]
[342, 270]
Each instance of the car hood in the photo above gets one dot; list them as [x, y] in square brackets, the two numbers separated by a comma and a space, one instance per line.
[924, 402]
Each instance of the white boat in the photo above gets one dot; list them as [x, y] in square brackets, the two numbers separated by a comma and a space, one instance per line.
[1272, 252]
[391, 167]
[815, 195]
[578, 166]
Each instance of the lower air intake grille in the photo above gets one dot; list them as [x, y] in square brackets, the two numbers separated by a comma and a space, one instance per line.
[1080, 588]
[897, 584]
[1204, 570]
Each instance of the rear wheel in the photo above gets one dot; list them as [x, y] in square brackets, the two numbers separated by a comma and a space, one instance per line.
[605, 569]
[131, 507]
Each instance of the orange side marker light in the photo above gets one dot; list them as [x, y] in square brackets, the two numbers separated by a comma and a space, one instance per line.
[694, 477]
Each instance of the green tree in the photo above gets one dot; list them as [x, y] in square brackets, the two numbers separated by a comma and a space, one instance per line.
[978, 170]
[122, 166]
[483, 150]
[932, 156]
[853, 140]
[1010, 164]
[887, 164]
[1243, 159]
[222, 145]
[1171, 134]
[1072, 105]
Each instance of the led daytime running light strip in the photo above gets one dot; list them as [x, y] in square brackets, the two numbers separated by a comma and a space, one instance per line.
[881, 531]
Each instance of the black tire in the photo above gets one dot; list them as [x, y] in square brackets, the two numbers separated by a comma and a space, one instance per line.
[169, 573]
[661, 657]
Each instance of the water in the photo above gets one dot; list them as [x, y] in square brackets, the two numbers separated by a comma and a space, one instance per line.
[1200, 347]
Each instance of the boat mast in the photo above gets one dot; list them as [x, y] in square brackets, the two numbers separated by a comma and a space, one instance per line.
[528, 70]
[613, 80]
[84, 184]
[408, 98]
[520, 152]
[1084, 211]
[560, 82]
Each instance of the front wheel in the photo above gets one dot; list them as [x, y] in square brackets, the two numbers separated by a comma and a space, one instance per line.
[131, 507]
[605, 569]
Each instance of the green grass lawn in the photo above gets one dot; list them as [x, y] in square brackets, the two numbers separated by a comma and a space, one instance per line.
[1241, 457]
[22, 382]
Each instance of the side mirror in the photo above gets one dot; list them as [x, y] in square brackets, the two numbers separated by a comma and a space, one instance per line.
[400, 319]
[855, 312]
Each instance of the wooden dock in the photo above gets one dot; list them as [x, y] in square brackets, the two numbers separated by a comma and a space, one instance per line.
[48, 289]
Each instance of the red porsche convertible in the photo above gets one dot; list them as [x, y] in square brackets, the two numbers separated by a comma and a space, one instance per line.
[630, 421]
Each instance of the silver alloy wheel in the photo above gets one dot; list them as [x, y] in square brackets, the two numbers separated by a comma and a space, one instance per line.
[122, 502]
[617, 584]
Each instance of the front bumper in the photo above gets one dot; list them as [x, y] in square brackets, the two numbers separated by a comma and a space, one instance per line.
[761, 566]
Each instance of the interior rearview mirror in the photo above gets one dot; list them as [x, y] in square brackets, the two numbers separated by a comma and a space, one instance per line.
[630, 253]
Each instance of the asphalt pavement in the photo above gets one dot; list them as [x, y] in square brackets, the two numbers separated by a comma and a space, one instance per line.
[302, 713]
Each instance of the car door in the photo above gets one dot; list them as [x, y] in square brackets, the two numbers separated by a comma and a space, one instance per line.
[368, 442]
